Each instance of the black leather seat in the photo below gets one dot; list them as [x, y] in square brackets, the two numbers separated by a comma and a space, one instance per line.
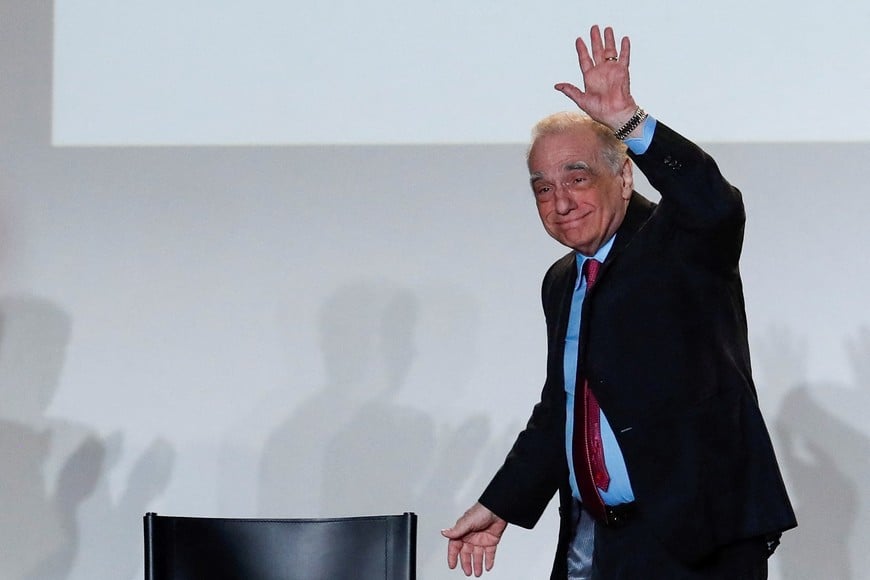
[353, 548]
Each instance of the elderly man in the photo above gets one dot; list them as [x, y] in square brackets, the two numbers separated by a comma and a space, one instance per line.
[648, 424]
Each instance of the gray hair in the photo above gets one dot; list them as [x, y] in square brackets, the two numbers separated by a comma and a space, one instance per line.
[613, 150]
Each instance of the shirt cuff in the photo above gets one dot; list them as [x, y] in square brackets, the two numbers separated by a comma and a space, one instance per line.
[639, 145]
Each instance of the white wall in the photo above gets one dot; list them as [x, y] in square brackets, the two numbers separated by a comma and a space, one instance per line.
[319, 330]
[410, 71]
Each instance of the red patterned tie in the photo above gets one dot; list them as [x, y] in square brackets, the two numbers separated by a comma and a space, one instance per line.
[588, 449]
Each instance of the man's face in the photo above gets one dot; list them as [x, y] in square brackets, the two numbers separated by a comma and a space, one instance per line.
[580, 200]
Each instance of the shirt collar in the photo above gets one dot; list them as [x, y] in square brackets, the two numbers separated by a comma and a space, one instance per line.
[600, 255]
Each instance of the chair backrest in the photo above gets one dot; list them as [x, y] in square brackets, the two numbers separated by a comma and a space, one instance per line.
[354, 548]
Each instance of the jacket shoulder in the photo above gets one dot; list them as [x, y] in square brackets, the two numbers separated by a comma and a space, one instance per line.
[560, 272]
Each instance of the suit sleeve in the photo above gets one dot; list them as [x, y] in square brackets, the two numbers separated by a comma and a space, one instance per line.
[695, 195]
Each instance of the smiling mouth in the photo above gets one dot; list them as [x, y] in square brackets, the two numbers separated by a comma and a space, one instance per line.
[574, 219]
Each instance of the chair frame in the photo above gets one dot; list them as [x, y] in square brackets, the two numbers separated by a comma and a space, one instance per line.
[353, 540]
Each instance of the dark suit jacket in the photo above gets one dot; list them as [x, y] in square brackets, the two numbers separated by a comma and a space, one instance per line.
[664, 346]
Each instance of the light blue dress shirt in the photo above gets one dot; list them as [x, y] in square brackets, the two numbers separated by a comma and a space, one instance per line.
[639, 145]
[620, 490]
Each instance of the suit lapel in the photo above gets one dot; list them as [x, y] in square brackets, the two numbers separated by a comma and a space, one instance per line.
[561, 285]
[636, 215]
[558, 299]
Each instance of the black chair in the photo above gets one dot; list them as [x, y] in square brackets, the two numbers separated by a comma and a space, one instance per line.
[354, 548]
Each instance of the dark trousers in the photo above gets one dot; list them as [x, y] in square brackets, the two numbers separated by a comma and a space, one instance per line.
[633, 552]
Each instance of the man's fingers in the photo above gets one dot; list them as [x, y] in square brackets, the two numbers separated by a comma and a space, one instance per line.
[583, 55]
[465, 559]
[459, 529]
[597, 46]
[489, 558]
[453, 548]
[625, 51]
[609, 43]
[477, 561]
[474, 559]
[451, 533]
[571, 92]
[601, 49]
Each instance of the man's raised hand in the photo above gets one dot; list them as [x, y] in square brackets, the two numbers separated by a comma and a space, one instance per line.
[606, 94]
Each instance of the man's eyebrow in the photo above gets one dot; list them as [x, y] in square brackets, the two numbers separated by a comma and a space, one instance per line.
[574, 166]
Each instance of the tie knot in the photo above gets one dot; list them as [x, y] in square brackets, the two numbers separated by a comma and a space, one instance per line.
[590, 270]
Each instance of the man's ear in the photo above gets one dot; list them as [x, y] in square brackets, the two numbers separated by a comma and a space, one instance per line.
[627, 179]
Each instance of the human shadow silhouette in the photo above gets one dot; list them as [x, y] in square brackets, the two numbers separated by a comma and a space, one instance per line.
[54, 482]
[825, 459]
[293, 464]
[36, 524]
[109, 523]
[76, 481]
[375, 462]
[366, 442]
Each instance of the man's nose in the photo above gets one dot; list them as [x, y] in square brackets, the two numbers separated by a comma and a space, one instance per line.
[564, 199]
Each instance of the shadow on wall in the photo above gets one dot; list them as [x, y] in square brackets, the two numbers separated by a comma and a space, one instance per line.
[366, 442]
[54, 492]
[36, 529]
[60, 519]
[381, 451]
[825, 460]
[361, 373]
